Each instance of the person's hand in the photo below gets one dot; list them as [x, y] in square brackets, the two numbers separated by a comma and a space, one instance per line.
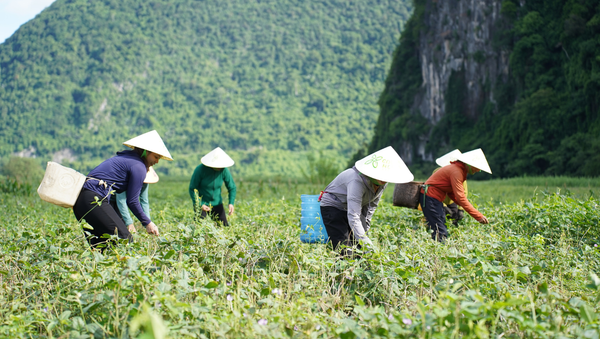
[131, 228]
[205, 208]
[152, 229]
[231, 209]
[366, 243]
[483, 220]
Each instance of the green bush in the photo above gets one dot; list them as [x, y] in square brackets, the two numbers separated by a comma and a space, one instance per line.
[21, 175]
[321, 170]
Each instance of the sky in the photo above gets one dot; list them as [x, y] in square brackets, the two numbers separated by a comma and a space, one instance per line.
[14, 13]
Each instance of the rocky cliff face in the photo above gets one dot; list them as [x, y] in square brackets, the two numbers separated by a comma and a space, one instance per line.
[456, 45]
[519, 79]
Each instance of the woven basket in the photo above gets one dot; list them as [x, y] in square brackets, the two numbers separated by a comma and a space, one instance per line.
[407, 195]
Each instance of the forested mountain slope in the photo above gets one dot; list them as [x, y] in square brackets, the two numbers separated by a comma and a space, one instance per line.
[521, 79]
[268, 81]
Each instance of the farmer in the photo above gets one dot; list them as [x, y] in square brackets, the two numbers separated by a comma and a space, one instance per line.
[205, 186]
[124, 172]
[453, 211]
[349, 201]
[449, 181]
[151, 178]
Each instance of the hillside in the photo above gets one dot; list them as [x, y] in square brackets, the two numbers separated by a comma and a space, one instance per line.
[268, 81]
[518, 78]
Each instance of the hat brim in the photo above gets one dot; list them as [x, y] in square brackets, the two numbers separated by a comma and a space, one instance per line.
[151, 176]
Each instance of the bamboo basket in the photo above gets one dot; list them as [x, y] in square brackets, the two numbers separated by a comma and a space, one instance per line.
[407, 195]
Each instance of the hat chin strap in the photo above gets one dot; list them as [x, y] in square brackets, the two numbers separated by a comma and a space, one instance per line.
[144, 154]
[374, 181]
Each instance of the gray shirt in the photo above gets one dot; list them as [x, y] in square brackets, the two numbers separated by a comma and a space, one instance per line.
[353, 192]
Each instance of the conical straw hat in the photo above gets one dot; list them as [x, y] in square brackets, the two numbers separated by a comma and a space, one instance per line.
[151, 176]
[385, 165]
[445, 159]
[217, 158]
[152, 142]
[476, 158]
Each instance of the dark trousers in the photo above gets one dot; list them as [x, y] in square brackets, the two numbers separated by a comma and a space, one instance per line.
[338, 229]
[104, 218]
[434, 213]
[217, 213]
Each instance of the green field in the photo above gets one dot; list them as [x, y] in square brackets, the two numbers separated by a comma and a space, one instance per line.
[531, 273]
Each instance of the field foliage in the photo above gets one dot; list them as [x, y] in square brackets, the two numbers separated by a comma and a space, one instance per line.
[269, 81]
[532, 272]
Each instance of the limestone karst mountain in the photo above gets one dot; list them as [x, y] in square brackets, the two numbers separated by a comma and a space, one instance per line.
[520, 79]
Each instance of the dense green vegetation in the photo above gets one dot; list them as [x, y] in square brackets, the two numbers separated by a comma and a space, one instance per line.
[532, 272]
[268, 81]
[546, 117]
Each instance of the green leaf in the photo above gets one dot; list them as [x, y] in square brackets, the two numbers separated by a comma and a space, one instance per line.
[65, 315]
[587, 313]
[525, 270]
[595, 282]
[211, 284]
[169, 254]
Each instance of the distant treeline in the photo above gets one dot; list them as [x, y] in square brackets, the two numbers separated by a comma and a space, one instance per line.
[545, 120]
[262, 79]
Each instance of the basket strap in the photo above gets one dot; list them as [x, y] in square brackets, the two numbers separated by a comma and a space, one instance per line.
[425, 188]
[100, 182]
[321, 195]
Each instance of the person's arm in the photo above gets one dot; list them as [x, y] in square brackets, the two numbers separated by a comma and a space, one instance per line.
[458, 195]
[231, 188]
[134, 187]
[144, 200]
[230, 185]
[355, 192]
[194, 185]
[123, 209]
[371, 207]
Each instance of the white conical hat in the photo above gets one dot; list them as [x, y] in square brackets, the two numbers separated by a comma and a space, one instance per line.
[445, 159]
[476, 158]
[151, 176]
[152, 142]
[385, 165]
[217, 158]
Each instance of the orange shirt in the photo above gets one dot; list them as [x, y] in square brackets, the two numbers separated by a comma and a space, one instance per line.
[448, 180]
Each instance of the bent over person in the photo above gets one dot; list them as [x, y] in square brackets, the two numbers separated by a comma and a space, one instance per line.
[349, 201]
[205, 186]
[452, 210]
[124, 172]
[448, 181]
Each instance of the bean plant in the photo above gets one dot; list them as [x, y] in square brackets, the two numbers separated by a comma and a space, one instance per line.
[531, 273]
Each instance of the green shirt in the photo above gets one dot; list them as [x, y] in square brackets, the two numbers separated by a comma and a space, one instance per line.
[208, 182]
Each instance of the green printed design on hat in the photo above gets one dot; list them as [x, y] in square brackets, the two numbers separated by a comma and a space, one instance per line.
[374, 160]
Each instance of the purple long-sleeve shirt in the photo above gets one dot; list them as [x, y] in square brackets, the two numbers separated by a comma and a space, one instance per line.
[124, 172]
